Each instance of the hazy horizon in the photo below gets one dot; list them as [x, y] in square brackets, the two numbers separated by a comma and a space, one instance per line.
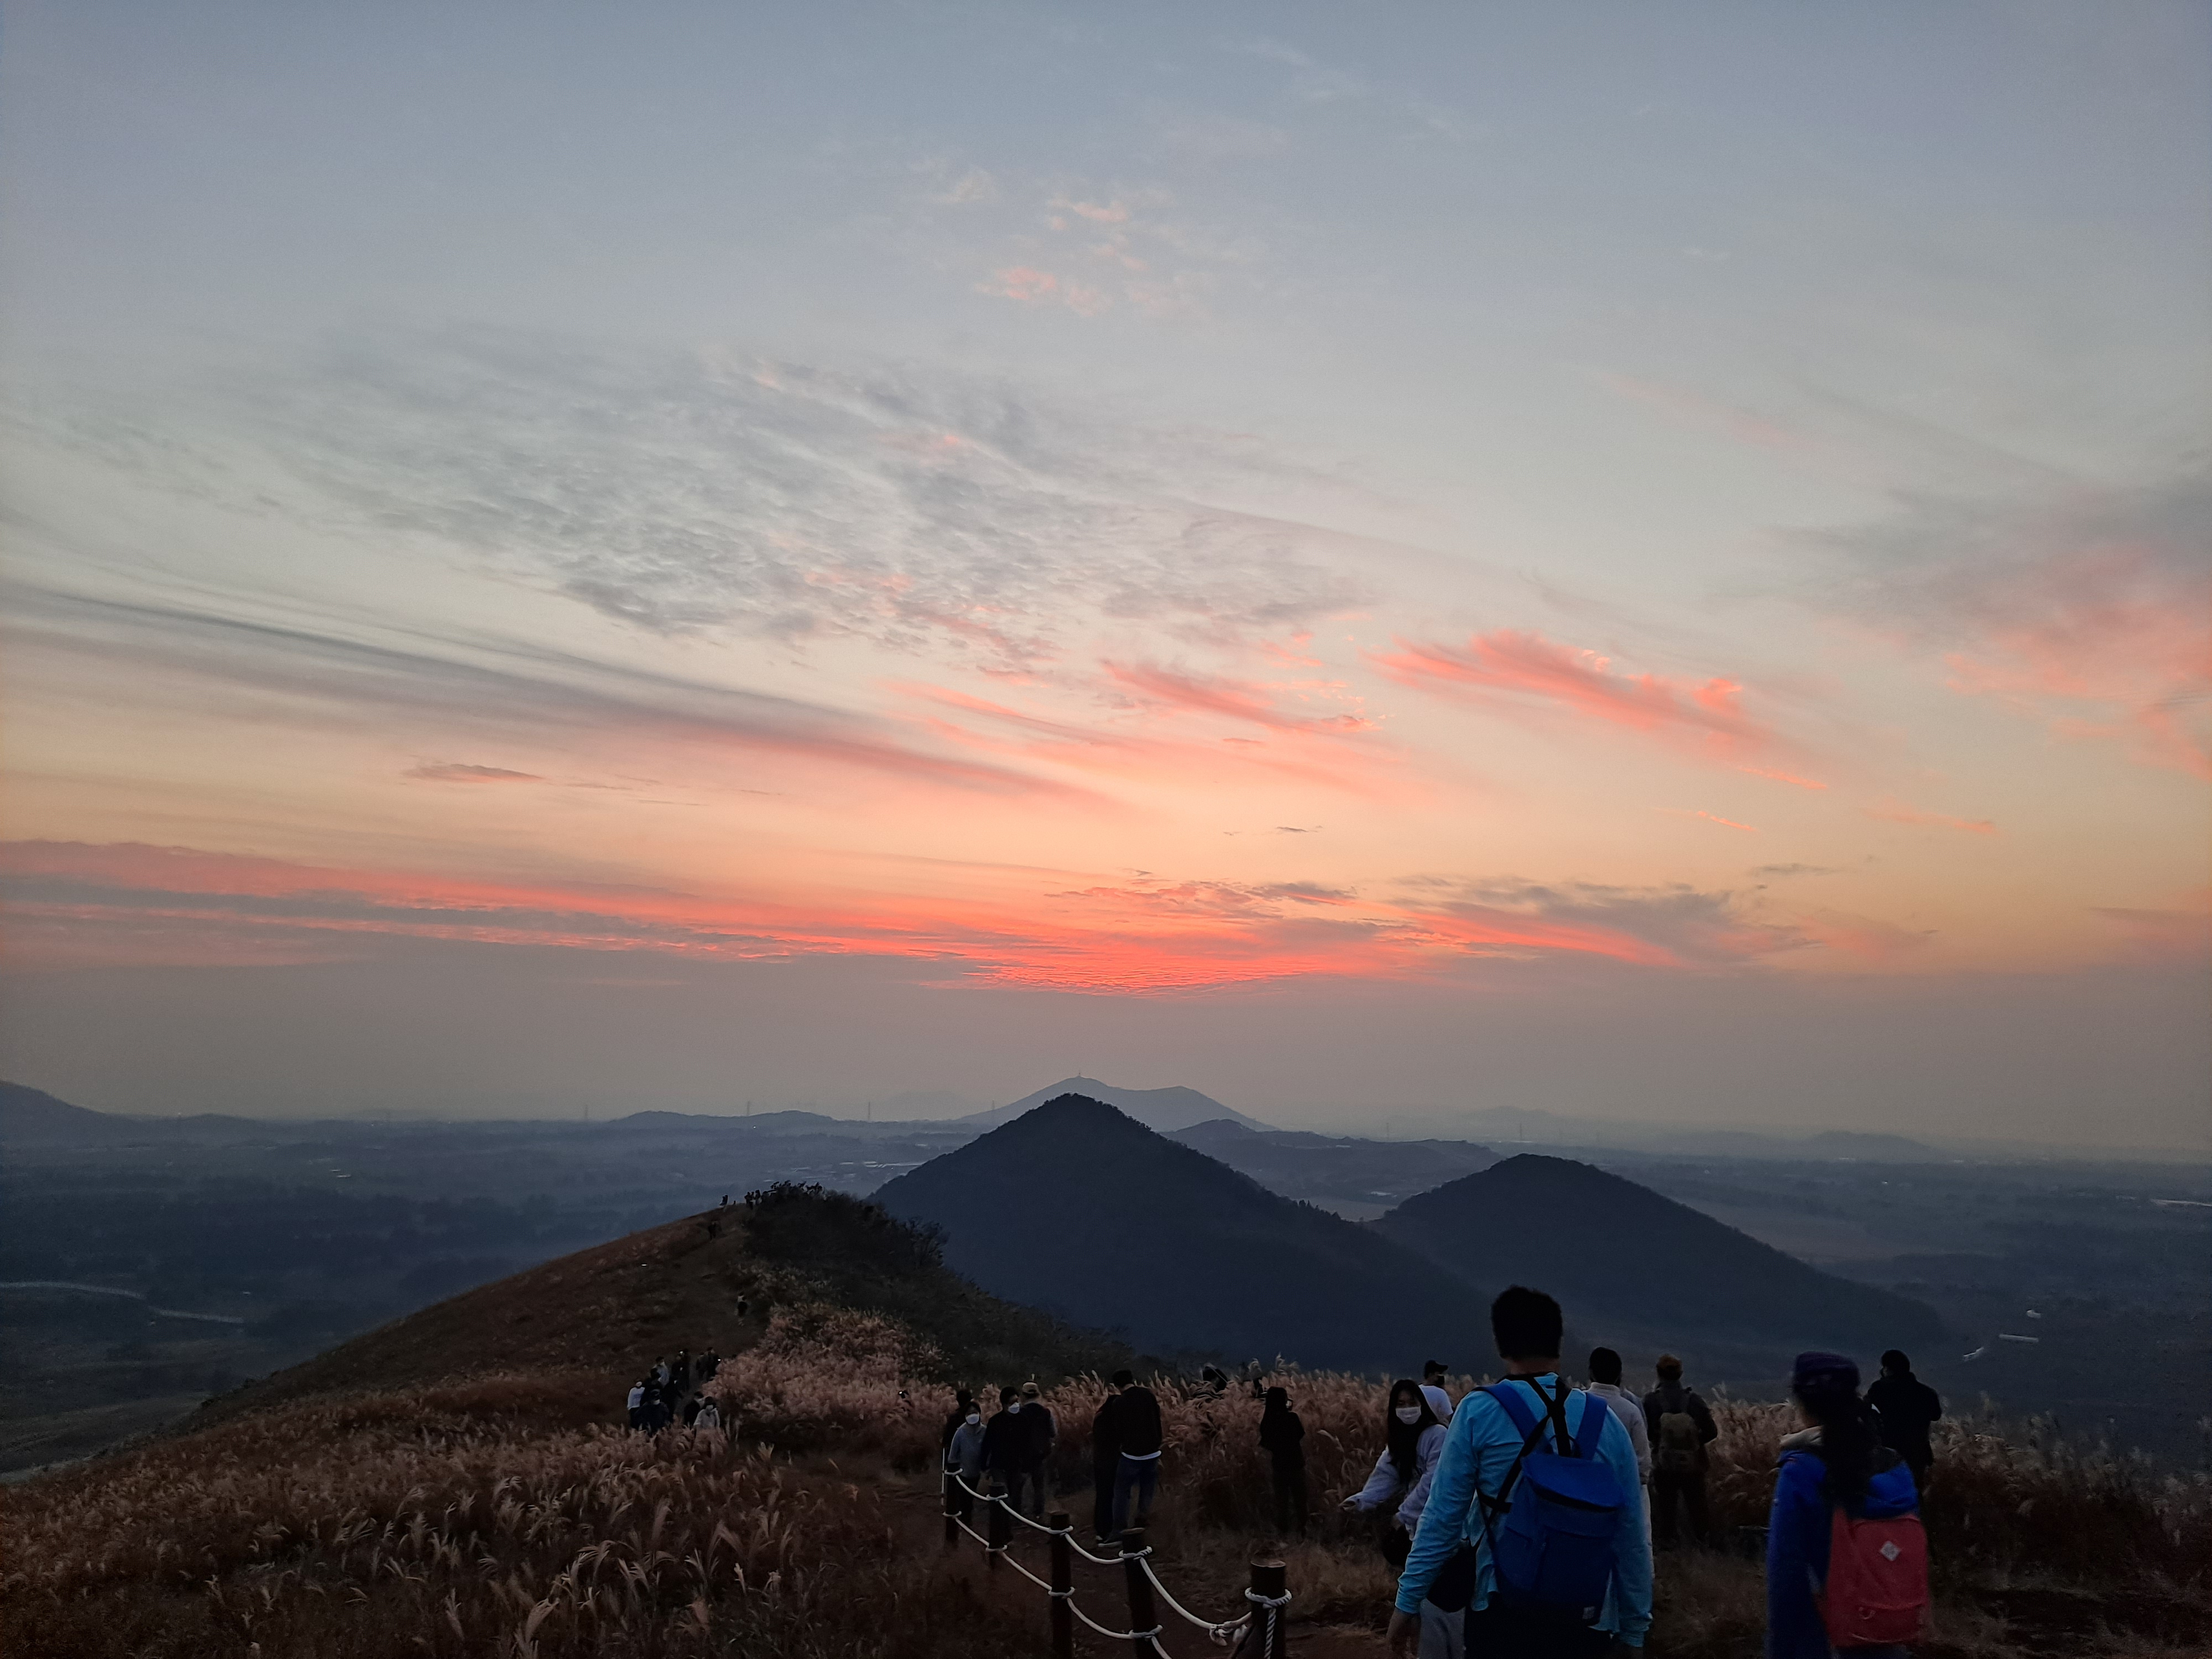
[1653, 565]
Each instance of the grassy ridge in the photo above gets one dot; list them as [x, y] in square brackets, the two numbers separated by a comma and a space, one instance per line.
[509, 1514]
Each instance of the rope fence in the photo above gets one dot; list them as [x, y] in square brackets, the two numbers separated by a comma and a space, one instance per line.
[1265, 1599]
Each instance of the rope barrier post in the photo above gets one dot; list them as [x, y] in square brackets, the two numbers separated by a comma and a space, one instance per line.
[1142, 1620]
[952, 1508]
[1001, 1529]
[1268, 1595]
[1063, 1587]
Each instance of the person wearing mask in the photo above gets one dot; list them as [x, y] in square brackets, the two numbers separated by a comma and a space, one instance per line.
[710, 1415]
[1680, 1427]
[1041, 1435]
[1283, 1437]
[1005, 1443]
[1412, 1441]
[1433, 1372]
[1105, 1460]
[1904, 1408]
[964, 1456]
[1475, 1498]
[1605, 1383]
[637, 1404]
[963, 1401]
[1845, 1519]
[1137, 1476]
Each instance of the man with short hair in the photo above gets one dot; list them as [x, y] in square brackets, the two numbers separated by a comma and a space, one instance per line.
[1433, 1372]
[1473, 1493]
[1681, 1428]
[1605, 1383]
[1137, 1477]
[1904, 1408]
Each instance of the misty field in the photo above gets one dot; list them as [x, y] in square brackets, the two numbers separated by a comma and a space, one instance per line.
[510, 1515]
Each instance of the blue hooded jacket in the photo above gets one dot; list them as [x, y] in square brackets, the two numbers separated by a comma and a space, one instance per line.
[1798, 1547]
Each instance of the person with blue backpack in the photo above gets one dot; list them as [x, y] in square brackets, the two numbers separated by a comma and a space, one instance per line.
[1533, 1531]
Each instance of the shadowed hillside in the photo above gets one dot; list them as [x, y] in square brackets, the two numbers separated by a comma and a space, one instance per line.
[1075, 1208]
[1614, 1251]
[613, 1308]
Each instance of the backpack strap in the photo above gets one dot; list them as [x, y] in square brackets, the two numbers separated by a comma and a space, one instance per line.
[1594, 1412]
[1532, 1428]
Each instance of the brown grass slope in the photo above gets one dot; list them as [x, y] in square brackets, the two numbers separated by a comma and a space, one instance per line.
[611, 1310]
[510, 1514]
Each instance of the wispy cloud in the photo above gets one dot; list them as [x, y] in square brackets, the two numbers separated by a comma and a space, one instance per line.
[2089, 608]
[916, 512]
[1898, 812]
[461, 772]
[1513, 668]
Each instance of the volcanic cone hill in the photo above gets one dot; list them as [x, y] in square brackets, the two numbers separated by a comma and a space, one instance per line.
[1620, 1255]
[613, 1308]
[1078, 1208]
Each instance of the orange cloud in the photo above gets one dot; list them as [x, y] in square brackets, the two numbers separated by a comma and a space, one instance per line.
[1147, 934]
[1898, 811]
[1511, 666]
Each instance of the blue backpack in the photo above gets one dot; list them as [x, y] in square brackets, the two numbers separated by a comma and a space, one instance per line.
[1551, 1543]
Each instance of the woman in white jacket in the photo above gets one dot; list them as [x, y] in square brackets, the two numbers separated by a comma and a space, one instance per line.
[1413, 1441]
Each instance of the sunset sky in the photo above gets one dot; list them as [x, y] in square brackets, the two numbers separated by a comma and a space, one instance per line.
[1651, 563]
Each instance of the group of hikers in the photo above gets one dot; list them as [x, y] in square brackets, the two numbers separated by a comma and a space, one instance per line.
[1522, 1518]
[674, 1391]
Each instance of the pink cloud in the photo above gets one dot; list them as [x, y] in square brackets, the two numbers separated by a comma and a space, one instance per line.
[1243, 700]
[1033, 287]
[1897, 811]
[1512, 666]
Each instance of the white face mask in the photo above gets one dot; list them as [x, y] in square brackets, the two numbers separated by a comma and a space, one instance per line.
[975, 1416]
[1409, 1413]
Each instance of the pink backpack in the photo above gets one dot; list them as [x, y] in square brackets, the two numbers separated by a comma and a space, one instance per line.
[1877, 1588]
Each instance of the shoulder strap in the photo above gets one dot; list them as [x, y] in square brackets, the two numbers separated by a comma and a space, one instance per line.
[1594, 1412]
[1515, 1407]
[1532, 1428]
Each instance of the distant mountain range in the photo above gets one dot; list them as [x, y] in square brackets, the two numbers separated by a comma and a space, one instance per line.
[1076, 1208]
[1626, 1258]
[1164, 1109]
[1357, 1178]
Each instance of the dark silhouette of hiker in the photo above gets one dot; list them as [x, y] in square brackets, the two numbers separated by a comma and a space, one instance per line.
[1005, 1442]
[1105, 1459]
[680, 1373]
[1040, 1435]
[963, 1403]
[1412, 1440]
[1511, 1531]
[1137, 1476]
[692, 1410]
[1904, 1408]
[1681, 1428]
[1433, 1372]
[1846, 1559]
[636, 1404]
[1283, 1438]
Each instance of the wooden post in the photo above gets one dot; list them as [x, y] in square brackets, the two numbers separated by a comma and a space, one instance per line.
[951, 1511]
[1000, 1531]
[1272, 1625]
[1063, 1586]
[1142, 1616]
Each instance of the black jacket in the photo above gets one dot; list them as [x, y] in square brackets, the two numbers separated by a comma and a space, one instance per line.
[1282, 1437]
[1005, 1443]
[1106, 1433]
[1903, 1407]
[1139, 1418]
